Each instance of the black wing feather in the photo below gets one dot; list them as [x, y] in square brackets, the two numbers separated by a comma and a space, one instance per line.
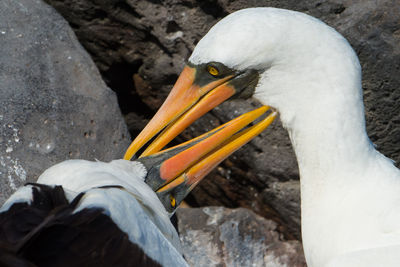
[48, 233]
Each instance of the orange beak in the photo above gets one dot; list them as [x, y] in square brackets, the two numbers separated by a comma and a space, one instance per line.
[186, 103]
[173, 173]
[192, 164]
[176, 171]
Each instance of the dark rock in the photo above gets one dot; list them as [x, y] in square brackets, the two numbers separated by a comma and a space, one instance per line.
[54, 105]
[153, 39]
[284, 197]
[375, 35]
[216, 236]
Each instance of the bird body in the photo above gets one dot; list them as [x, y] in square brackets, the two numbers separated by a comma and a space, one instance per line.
[83, 175]
[350, 193]
[130, 224]
[309, 73]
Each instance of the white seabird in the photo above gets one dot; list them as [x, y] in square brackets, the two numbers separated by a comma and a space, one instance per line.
[83, 213]
[308, 72]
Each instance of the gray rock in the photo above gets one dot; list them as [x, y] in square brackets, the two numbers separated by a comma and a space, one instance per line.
[53, 103]
[216, 236]
[152, 39]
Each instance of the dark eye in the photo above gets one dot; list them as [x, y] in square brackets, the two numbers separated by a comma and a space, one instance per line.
[172, 200]
[213, 70]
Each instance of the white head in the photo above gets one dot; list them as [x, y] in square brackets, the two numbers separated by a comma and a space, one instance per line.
[294, 62]
[303, 63]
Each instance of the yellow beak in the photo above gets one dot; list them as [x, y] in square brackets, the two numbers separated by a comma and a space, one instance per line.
[177, 170]
[194, 163]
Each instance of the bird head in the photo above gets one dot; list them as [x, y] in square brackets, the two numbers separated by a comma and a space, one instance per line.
[288, 60]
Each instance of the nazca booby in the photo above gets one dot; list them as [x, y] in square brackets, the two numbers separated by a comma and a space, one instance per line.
[83, 213]
[308, 72]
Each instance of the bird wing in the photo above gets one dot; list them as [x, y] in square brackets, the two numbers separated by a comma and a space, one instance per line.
[45, 228]
[82, 175]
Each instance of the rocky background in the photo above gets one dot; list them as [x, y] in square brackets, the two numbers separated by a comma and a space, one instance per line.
[54, 106]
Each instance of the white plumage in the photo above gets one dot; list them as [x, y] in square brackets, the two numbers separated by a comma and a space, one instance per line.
[350, 193]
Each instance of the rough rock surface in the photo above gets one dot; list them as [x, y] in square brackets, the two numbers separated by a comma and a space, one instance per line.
[53, 103]
[150, 41]
[217, 236]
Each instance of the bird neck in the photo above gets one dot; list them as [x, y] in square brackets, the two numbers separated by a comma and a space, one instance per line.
[315, 84]
[330, 145]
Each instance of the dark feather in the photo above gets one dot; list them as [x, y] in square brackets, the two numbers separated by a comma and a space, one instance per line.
[47, 233]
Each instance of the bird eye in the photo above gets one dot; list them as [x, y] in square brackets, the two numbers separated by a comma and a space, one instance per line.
[212, 70]
[172, 201]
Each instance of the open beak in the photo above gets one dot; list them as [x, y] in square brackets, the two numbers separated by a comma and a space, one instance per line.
[176, 171]
[191, 97]
[173, 173]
